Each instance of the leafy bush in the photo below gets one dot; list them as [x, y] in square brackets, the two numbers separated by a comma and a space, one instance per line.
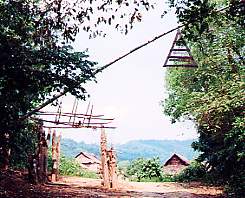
[71, 167]
[145, 170]
[168, 178]
[194, 172]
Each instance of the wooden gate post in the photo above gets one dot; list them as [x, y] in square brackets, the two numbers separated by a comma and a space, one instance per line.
[54, 158]
[104, 160]
[38, 162]
[58, 155]
[113, 169]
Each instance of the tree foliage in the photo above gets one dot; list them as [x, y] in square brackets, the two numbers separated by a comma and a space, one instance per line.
[145, 169]
[71, 167]
[213, 94]
[34, 65]
[196, 171]
[37, 59]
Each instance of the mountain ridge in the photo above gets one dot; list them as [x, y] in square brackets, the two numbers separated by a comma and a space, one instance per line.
[134, 149]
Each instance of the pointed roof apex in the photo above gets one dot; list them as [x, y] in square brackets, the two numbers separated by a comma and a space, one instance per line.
[180, 157]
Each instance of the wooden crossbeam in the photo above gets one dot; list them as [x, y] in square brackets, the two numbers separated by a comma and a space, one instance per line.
[69, 123]
[93, 117]
[83, 120]
[69, 114]
[72, 127]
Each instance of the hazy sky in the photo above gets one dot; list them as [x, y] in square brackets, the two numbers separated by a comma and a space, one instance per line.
[130, 90]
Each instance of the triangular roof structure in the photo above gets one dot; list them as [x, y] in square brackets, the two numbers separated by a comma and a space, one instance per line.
[180, 157]
[179, 54]
[87, 158]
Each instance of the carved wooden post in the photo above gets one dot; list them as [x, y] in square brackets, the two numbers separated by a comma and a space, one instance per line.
[58, 155]
[104, 160]
[46, 151]
[113, 171]
[54, 158]
[42, 156]
[109, 156]
[38, 162]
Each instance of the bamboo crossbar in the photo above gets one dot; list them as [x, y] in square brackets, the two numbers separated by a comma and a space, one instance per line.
[68, 114]
[70, 127]
[68, 123]
[96, 117]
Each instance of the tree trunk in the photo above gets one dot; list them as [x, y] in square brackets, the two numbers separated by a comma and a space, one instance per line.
[5, 152]
[6, 157]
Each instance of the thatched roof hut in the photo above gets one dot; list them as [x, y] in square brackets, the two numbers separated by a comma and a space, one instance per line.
[88, 161]
[175, 164]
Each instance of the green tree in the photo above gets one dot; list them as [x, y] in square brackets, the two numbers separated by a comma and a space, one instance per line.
[196, 171]
[213, 94]
[71, 167]
[37, 60]
[145, 169]
[34, 65]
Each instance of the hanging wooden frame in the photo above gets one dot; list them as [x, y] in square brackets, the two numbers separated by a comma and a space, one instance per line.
[179, 54]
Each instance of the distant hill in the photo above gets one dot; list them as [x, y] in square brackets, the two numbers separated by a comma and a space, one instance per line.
[154, 148]
[134, 149]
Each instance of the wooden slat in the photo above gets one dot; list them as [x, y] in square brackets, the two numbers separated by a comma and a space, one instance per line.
[181, 57]
[181, 60]
[182, 65]
[180, 50]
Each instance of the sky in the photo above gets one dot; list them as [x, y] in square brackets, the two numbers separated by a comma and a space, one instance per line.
[132, 89]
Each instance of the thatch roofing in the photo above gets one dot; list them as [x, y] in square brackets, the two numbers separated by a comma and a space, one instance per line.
[181, 158]
[87, 158]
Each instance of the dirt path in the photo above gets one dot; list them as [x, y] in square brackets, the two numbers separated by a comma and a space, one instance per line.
[14, 185]
[145, 189]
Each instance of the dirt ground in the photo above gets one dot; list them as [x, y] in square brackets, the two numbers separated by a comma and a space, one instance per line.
[14, 184]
